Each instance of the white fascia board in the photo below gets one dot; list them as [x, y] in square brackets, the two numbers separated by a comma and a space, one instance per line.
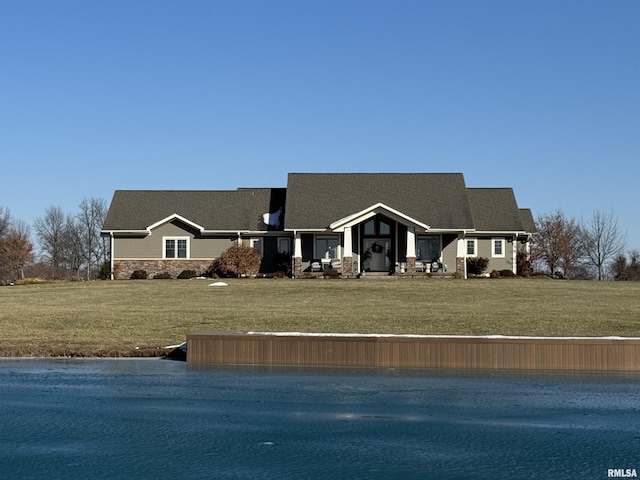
[497, 232]
[305, 230]
[175, 216]
[371, 211]
[125, 233]
[224, 232]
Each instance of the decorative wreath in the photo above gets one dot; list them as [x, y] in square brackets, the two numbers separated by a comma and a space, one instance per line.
[376, 247]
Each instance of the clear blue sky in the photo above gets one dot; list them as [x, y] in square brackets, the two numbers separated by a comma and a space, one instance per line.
[542, 96]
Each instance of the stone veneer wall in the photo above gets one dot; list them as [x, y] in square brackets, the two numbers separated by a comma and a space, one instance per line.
[460, 261]
[297, 267]
[411, 265]
[123, 269]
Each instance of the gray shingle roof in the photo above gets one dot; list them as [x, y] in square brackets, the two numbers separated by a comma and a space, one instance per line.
[495, 209]
[527, 220]
[214, 210]
[315, 200]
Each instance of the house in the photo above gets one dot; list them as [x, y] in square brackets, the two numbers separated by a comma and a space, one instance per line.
[360, 223]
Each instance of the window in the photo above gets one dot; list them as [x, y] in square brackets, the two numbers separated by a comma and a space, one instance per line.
[471, 247]
[428, 248]
[377, 226]
[327, 246]
[284, 245]
[370, 227]
[497, 249]
[256, 243]
[176, 247]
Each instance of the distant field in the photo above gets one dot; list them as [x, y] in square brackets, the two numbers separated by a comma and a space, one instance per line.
[122, 318]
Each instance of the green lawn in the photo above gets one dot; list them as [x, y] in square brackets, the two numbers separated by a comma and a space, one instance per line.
[113, 318]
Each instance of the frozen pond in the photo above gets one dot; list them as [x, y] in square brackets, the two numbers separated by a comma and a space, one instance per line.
[150, 418]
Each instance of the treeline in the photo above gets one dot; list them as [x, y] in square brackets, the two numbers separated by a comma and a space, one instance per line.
[594, 248]
[68, 245]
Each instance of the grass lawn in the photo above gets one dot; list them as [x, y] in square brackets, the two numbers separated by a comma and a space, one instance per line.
[115, 318]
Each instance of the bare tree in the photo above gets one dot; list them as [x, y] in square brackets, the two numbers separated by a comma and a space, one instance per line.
[601, 240]
[73, 246]
[90, 219]
[50, 232]
[5, 221]
[556, 243]
[16, 250]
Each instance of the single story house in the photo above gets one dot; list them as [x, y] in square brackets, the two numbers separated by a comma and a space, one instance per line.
[356, 222]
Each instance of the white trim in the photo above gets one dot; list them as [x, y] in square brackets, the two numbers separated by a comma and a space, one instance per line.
[466, 247]
[176, 238]
[503, 246]
[175, 216]
[359, 217]
[112, 245]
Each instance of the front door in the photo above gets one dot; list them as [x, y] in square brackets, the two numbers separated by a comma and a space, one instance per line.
[376, 254]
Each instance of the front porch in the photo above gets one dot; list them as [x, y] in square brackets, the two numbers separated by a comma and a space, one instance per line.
[379, 242]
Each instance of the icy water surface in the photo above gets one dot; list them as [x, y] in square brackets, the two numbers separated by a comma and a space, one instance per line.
[157, 419]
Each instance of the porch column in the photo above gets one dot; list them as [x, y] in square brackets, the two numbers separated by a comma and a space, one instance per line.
[411, 250]
[514, 253]
[347, 253]
[297, 255]
[461, 257]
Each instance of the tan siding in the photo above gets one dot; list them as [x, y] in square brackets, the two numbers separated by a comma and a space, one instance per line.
[151, 246]
[485, 249]
[449, 251]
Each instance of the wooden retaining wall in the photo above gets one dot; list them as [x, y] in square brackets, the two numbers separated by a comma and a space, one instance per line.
[540, 353]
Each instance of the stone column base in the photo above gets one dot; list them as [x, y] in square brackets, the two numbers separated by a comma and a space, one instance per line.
[297, 267]
[460, 261]
[411, 265]
[347, 266]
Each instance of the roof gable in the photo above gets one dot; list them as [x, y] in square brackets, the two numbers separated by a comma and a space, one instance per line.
[317, 200]
[373, 210]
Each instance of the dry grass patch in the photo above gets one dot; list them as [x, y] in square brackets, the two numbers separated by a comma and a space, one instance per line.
[135, 317]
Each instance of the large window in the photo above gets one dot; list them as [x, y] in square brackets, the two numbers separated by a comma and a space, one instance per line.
[176, 247]
[327, 246]
[377, 227]
[428, 248]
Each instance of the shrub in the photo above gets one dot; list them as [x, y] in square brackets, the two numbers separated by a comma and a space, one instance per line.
[477, 265]
[162, 276]
[186, 274]
[523, 264]
[105, 271]
[139, 275]
[331, 273]
[237, 261]
[494, 274]
[507, 273]
[279, 274]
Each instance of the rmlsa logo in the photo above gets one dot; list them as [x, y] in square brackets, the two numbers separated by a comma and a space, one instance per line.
[622, 473]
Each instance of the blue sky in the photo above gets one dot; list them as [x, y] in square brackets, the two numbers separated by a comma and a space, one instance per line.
[542, 96]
